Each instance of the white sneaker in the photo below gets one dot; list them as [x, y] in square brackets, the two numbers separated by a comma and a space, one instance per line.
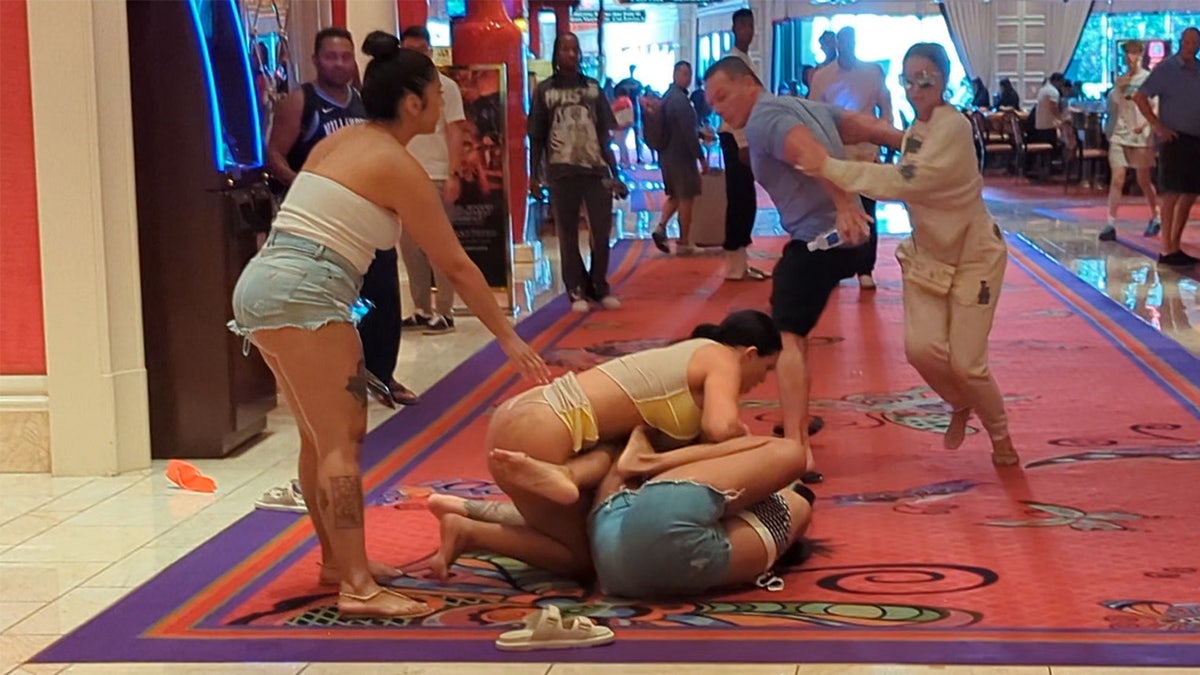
[610, 302]
[866, 282]
[283, 498]
[580, 306]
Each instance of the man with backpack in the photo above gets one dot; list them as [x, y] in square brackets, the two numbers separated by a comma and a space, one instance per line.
[670, 128]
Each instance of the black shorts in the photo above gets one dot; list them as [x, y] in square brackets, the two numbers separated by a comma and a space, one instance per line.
[803, 280]
[1179, 165]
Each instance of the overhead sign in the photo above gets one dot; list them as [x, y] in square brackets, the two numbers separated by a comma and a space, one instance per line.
[610, 16]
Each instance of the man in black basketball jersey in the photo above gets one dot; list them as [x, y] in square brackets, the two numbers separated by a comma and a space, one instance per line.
[301, 120]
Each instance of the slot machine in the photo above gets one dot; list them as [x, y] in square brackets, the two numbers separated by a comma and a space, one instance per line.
[201, 200]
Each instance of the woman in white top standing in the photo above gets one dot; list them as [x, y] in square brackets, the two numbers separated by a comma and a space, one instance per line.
[1129, 141]
[953, 264]
[293, 301]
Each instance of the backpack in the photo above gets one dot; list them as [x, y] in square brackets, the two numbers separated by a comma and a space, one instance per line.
[654, 124]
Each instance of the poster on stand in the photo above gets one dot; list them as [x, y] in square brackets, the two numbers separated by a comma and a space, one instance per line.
[480, 215]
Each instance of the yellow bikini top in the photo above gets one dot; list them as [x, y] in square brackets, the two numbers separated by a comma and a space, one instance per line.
[656, 380]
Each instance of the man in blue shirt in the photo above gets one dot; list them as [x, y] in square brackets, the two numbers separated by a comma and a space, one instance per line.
[808, 208]
[1176, 83]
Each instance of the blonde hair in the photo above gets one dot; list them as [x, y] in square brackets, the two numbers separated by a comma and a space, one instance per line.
[1133, 47]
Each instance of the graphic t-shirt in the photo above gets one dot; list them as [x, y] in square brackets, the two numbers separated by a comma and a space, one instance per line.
[567, 125]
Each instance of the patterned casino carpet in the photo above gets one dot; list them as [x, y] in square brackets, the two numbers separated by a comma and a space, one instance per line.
[1089, 555]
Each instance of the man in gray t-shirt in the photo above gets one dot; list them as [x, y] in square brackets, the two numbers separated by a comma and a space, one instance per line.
[808, 208]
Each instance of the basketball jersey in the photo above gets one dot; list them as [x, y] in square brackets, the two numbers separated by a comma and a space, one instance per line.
[322, 117]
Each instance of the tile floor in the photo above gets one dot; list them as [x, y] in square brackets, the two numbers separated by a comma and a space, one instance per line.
[70, 547]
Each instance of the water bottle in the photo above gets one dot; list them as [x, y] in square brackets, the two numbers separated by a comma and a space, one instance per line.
[359, 309]
[825, 241]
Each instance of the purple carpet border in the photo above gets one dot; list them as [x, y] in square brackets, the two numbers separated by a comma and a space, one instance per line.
[114, 635]
[1170, 351]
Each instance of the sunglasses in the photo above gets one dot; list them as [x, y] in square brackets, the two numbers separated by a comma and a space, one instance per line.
[923, 80]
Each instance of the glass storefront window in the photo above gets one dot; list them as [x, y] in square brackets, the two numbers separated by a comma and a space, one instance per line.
[1097, 61]
[880, 39]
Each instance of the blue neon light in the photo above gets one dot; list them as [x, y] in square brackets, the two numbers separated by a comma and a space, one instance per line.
[210, 86]
[244, 51]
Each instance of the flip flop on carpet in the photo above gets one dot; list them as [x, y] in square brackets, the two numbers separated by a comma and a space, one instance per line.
[547, 629]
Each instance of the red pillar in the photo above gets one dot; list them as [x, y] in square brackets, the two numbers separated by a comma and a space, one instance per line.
[412, 12]
[562, 18]
[535, 30]
[337, 12]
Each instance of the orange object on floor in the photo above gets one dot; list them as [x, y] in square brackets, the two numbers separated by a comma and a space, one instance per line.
[186, 476]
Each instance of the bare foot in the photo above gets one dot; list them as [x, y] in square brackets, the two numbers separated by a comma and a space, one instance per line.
[957, 431]
[552, 481]
[382, 603]
[638, 457]
[442, 505]
[453, 544]
[1003, 452]
[381, 572]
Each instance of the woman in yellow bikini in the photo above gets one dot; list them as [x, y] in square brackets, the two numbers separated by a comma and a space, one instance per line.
[549, 442]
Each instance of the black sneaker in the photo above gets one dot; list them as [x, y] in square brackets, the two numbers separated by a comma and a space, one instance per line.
[439, 325]
[1177, 259]
[1109, 233]
[659, 235]
[417, 320]
[1153, 227]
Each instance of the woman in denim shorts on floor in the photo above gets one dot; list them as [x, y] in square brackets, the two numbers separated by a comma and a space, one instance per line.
[293, 301]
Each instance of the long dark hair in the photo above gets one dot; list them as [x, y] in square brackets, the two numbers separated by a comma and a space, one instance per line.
[392, 73]
[745, 328]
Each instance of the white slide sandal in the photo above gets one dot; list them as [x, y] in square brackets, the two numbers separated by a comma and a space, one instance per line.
[546, 629]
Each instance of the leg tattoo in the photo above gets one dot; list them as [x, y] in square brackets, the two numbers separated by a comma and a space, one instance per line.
[357, 384]
[492, 511]
[347, 502]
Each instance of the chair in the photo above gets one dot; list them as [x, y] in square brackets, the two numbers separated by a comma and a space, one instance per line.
[1043, 152]
[991, 141]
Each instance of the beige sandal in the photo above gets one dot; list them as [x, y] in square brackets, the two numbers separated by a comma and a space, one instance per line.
[422, 607]
[547, 629]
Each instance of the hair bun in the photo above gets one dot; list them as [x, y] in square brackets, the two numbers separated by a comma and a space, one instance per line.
[381, 45]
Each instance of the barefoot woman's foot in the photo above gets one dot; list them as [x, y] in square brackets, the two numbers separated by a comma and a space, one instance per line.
[381, 603]
[442, 505]
[453, 544]
[551, 481]
[636, 459]
[381, 572]
[1003, 452]
[956, 432]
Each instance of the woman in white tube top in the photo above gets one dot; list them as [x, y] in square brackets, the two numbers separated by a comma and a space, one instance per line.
[293, 301]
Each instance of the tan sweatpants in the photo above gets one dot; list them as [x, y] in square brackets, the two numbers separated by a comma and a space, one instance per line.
[946, 338]
[421, 273]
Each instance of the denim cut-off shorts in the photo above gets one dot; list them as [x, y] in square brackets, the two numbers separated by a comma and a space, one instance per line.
[295, 282]
[662, 540]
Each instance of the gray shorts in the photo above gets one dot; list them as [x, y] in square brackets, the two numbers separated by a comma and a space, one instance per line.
[294, 282]
[681, 181]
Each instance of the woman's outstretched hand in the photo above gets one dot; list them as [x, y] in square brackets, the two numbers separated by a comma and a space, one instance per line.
[528, 361]
[811, 153]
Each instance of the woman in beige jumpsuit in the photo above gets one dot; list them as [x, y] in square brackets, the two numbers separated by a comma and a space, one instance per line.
[953, 264]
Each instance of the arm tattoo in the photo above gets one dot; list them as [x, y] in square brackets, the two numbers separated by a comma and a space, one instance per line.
[347, 502]
[357, 384]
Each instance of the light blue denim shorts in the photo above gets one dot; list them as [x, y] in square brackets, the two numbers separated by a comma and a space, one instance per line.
[293, 281]
[662, 540]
